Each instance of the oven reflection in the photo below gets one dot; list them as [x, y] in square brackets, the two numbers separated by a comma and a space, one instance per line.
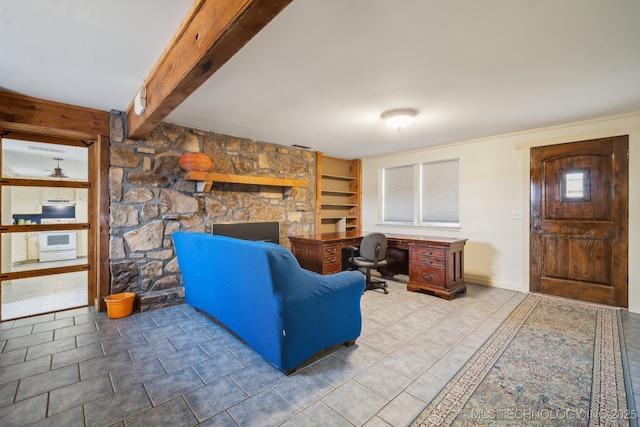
[61, 249]
[43, 206]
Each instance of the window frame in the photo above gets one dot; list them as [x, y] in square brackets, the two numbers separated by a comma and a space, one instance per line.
[418, 196]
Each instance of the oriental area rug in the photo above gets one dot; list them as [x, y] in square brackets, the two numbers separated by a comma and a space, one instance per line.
[551, 362]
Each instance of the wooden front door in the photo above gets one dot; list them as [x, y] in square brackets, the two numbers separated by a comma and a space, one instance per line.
[579, 220]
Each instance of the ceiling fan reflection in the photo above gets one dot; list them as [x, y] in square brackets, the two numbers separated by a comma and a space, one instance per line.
[57, 172]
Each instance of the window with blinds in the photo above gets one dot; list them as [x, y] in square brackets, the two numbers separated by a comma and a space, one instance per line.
[440, 188]
[398, 204]
[433, 187]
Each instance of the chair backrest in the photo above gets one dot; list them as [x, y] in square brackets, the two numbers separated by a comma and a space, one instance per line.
[368, 246]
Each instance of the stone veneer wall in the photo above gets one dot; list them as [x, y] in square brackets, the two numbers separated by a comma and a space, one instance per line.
[149, 200]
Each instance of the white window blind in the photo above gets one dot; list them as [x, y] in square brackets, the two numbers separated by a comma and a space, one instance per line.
[440, 188]
[398, 194]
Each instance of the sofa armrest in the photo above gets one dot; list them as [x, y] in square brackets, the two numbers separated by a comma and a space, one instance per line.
[325, 311]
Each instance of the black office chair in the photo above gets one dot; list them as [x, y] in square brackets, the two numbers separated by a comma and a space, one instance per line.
[372, 251]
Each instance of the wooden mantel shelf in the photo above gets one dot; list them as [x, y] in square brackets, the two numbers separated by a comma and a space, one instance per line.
[206, 180]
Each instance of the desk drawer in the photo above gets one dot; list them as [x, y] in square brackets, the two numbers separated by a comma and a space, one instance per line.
[331, 250]
[332, 259]
[429, 275]
[427, 261]
[332, 268]
[428, 252]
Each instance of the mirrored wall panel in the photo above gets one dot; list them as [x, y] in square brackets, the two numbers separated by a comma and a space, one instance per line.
[44, 249]
[37, 160]
[44, 205]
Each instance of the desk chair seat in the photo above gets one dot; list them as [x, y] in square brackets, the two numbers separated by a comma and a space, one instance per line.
[372, 252]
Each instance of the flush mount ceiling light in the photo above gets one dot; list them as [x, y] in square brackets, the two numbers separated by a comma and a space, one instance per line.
[399, 118]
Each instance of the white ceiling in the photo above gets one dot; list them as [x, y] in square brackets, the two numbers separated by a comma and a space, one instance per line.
[321, 73]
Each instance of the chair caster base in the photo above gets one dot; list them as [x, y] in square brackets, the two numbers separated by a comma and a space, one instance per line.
[377, 284]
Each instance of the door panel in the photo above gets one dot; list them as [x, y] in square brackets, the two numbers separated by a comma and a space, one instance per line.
[34, 200]
[578, 232]
[565, 259]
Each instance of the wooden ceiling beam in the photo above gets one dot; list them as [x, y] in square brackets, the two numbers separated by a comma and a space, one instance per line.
[23, 114]
[212, 32]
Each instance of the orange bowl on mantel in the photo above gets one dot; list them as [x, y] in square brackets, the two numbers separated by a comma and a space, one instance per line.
[195, 162]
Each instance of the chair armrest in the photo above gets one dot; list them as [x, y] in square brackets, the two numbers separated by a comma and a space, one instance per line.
[376, 256]
[353, 250]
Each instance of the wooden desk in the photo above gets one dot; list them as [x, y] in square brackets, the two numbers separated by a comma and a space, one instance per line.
[434, 264]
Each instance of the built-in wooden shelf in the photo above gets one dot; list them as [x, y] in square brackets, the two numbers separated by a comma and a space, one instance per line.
[339, 193]
[339, 205]
[205, 181]
[337, 218]
[340, 177]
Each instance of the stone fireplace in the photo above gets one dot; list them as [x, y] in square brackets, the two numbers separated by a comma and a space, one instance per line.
[150, 199]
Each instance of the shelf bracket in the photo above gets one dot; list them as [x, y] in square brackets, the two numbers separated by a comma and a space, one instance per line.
[204, 186]
[289, 191]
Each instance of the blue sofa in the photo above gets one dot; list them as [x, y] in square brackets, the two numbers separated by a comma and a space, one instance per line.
[260, 293]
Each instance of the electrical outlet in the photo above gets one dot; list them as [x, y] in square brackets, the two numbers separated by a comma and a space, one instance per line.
[493, 270]
[516, 214]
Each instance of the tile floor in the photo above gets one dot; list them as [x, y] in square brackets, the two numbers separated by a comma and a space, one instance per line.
[176, 367]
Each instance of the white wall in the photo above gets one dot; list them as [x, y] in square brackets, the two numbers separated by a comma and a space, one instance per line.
[494, 181]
